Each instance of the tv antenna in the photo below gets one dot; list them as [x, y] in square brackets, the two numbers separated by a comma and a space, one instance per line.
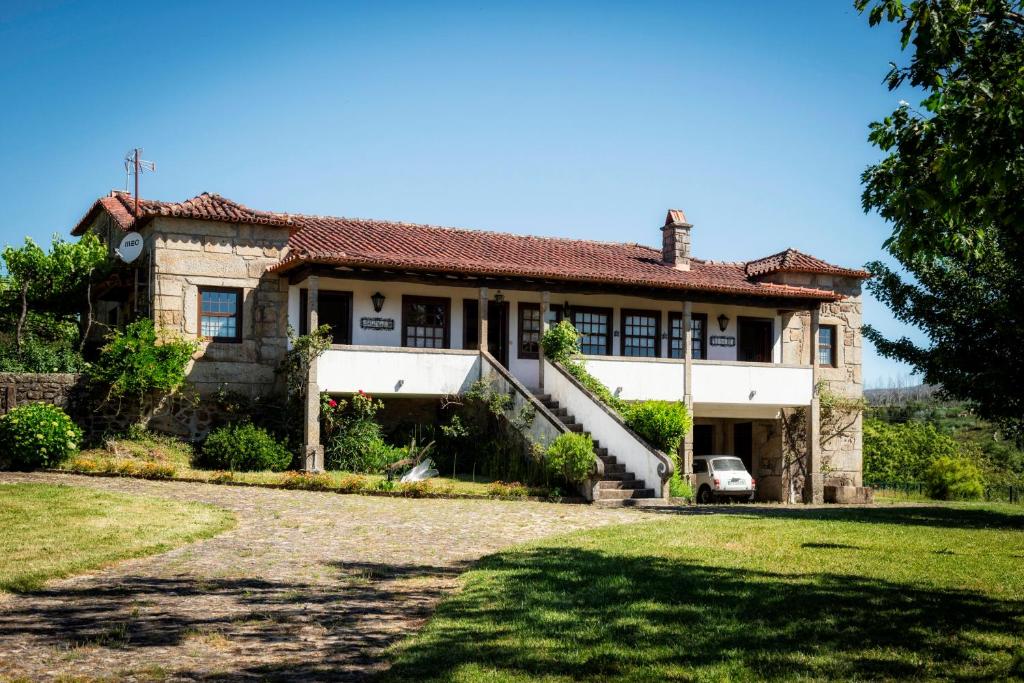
[135, 165]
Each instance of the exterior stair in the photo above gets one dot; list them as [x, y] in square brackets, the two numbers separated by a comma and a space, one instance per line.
[617, 487]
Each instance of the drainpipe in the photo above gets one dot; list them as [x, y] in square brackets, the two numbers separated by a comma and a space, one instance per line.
[314, 452]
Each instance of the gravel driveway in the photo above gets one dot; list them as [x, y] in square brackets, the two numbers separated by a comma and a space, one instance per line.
[308, 586]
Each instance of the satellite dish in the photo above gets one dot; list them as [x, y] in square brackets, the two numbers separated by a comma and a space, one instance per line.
[130, 248]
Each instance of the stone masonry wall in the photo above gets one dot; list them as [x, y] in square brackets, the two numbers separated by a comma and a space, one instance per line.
[19, 388]
[842, 453]
[189, 254]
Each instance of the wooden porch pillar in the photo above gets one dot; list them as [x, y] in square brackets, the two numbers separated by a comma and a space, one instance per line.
[482, 320]
[814, 483]
[687, 459]
[314, 452]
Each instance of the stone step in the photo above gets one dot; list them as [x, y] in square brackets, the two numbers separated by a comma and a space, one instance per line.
[618, 476]
[633, 503]
[574, 427]
[608, 459]
[543, 398]
[621, 494]
[601, 452]
[621, 484]
[615, 468]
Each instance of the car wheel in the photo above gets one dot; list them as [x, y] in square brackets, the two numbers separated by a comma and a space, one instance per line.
[704, 496]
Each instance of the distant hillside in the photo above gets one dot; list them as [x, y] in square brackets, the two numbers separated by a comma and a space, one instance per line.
[900, 395]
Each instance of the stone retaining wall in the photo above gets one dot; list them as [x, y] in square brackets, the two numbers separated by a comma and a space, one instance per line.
[19, 388]
[183, 415]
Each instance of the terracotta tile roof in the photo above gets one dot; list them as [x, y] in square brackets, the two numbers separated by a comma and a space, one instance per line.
[367, 243]
[793, 261]
[206, 206]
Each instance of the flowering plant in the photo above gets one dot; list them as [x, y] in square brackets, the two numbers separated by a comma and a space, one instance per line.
[38, 435]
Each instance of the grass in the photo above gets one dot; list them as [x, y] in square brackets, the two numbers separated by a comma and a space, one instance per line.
[743, 594]
[47, 531]
[159, 457]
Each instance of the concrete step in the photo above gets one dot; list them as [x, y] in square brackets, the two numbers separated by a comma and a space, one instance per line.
[622, 494]
[608, 459]
[618, 476]
[543, 398]
[574, 427]
[633, 503]
[620, 484]
[601, 452]
[615, 468]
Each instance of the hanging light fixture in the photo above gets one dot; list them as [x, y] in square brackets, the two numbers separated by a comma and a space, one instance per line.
[723, 322]
[378, 301]
[498, 297]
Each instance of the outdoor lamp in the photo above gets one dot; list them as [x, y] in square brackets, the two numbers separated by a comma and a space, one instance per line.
[723, 322]
[378, 301]
[498, 297]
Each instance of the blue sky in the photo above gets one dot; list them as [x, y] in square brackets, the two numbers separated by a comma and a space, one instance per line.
[555, 118]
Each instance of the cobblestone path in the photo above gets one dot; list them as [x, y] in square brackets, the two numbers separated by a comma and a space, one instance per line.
[308, 586]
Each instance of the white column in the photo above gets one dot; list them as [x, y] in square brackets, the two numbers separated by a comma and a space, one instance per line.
[814, 485]
[687, 459]
[545, 306]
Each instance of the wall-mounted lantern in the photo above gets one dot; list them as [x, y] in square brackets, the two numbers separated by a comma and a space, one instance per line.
[723, 322]
[565, 310]
[378, 301]
[498, 297]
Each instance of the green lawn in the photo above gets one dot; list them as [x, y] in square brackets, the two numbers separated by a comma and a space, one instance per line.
[741, 594]
[53, 531]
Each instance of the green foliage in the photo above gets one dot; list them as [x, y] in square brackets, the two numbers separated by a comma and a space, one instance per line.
[40, 355]
[352, 436]
[294, 367]
[902, 453]
[679, 487]
[951, 185]
[245, 448]
[135, 363]
[571, 456]
[561, 343]
[662, 424]
[38, 435]
[951, 478]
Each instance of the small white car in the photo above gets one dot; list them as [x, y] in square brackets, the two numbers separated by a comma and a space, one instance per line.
[722, 476]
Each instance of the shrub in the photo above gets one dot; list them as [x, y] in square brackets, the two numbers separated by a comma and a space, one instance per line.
[307, 481]
[571, 456]
[561, 342]
[245, 448]
[512, 489]
[661, 423]
[953, 479]
[679, 487]
[39, 355]
[38, 435]
[902, 453]
[352, 483]
[135, 363]
[354, 442]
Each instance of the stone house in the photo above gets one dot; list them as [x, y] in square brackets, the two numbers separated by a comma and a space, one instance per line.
[423, 311]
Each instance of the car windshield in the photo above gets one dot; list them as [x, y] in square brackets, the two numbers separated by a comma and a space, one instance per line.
[728, 465]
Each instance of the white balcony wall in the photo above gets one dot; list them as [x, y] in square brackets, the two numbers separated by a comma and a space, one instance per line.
[638, 379]
[752, 384]
[395, 371]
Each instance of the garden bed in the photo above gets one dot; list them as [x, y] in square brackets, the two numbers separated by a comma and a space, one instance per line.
[154, 457]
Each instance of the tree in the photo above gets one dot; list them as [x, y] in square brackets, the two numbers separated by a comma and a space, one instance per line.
[951, 184]
[54, 284]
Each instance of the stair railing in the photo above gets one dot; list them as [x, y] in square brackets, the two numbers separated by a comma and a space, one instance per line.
[546, 426]
[607, 426]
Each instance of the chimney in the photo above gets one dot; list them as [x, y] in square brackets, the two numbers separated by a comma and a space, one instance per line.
[675, 240]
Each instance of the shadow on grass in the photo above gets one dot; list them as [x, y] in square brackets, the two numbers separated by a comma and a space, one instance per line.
[583, 614]
[914, 515]
[340, 628]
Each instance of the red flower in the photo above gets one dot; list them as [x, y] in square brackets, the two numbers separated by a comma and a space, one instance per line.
[332, 403]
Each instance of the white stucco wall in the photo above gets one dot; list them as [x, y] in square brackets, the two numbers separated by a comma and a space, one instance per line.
[398, 373]
[751, 384]
[635, 379]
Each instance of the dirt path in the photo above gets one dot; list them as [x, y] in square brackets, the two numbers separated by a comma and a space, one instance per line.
[309, 586]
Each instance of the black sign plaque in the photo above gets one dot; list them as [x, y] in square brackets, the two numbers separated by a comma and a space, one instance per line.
[377, 323]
